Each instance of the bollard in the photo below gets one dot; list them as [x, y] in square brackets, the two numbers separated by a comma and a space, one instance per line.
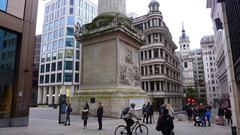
[234, 130]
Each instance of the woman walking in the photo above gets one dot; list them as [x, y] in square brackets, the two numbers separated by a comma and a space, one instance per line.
[85, 113]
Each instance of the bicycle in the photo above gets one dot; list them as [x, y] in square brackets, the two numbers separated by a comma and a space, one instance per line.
[137, 129]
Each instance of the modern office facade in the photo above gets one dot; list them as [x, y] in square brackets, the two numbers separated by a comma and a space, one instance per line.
[59, 71]
[225, 18]
[160, 68]
[17, 39]
[210, 70]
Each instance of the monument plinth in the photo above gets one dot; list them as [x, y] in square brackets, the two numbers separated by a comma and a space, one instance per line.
[110, 65]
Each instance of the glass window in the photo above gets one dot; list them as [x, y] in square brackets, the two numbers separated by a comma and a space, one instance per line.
[77, 77]
[44, 38]
[59, 65]
[70, 31]
[70, 20]
[50, 26]
[56, 24]
[77, 66]
[46, 78]
[50, 36]
[61, 32]
[3, 5]
[52, 78]
[69, 53]
[54, 56]
[60, 54]
[71, 11]
[53, 66]
[78, 54]
[55, 34]
[59, 77]
[49, 46]
[68, 77]
[63, 11]
[68, 65]
[49, 55]
[71, 2]
[70, 42]
[43, 58]
[41, 79]
[62, 21]
[55, 45]
[61, 43]
[42, 68]
[77, 44]
[47, 67]
[45, 28]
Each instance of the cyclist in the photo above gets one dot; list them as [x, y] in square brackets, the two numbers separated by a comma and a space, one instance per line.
[128, 118]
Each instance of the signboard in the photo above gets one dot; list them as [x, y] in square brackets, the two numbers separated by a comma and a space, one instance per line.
[62, 109]
[139, 102]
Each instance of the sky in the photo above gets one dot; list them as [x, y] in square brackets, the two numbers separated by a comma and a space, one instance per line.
[192, 13]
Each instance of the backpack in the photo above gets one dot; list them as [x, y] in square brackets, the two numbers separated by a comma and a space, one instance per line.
[125, 111]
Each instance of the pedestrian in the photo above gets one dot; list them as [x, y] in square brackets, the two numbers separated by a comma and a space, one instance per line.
[85, 113]
[144, 113]
[208, 116]
[100, 115]
[201, 112]
[221, 114]
[151, 114]
[148, 111]
[189, 112]
[170, 110]
[165, 123]
[160, 110]
[228, 115]
[68, 112]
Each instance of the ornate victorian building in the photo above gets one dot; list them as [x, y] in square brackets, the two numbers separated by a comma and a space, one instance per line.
[160, 68]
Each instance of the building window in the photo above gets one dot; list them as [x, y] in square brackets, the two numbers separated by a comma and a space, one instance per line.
[60, 54]
[43, 58]
[42, 68]
[70, 31]
[52, 78]
[54, 56]
[62, 21]
[68, 77]
[71, 2]
[53, 66]
[70, 20]
[49, 55]
[46, 78]
[71, 11]
[70, 42]
[69, 53]
[155, 52]
[59, 77]
[78, 44]
[77, 77]
[77, 66]
[59, 65]
[47, 67]
[55, 34]
[41, 79]
[185, 65]
[61, 32]
[55, 45]
[78, 54]
[68, 65]
[51, 26]
[61, 43]
[49, 46]
[56, 24]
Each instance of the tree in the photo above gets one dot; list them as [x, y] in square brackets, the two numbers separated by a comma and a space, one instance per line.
[191, 93]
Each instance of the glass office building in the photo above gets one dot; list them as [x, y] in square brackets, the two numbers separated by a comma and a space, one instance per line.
[59, 71]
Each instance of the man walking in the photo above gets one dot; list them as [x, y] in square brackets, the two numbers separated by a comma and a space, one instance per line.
[100, 115]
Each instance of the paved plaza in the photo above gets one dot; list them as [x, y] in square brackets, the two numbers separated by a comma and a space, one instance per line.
[44, 121]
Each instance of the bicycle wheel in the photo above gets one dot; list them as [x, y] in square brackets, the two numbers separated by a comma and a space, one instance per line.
[121, 130]
[141, 130]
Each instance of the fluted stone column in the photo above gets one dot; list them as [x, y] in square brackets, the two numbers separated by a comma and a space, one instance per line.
[112, 6]
[39, 100]
[50, 95]
[56, 95]
[44, 95]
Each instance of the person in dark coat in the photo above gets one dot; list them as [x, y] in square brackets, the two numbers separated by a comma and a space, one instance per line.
[85, 113]
[100, 115]
[144, 113]
[165, 123]
[228, 115]
[221, 114]
[202, 111]
[68, 112]
[189, 113]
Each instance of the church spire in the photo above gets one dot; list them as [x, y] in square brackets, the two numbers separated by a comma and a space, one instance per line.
[183, 30]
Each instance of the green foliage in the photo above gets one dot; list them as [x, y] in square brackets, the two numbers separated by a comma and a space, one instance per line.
[191, 93]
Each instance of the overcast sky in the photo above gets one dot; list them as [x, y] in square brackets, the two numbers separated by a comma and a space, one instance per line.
[192, 13]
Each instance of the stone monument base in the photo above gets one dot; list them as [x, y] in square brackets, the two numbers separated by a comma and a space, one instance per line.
[113, 100]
